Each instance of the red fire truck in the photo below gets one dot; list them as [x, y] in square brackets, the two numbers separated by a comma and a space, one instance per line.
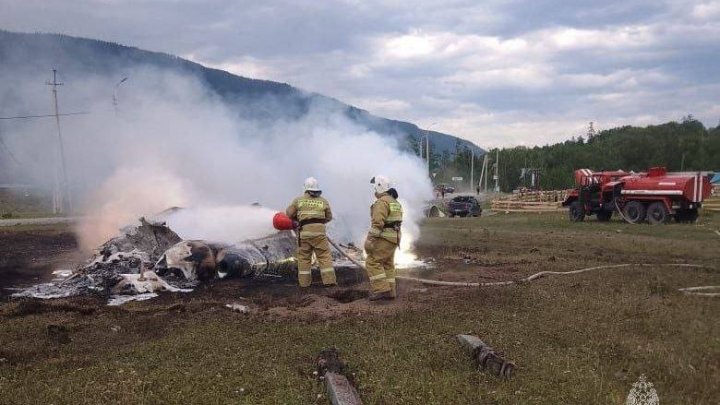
[655, 196]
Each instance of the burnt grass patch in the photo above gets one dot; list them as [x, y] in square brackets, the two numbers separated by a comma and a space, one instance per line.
[349, 295]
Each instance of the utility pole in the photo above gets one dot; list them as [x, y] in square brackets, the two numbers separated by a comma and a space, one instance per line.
[115, 91]
[472, 170]
[497, 171]
[486, 163]
[427, 148]
[483, 172]
[58, 200]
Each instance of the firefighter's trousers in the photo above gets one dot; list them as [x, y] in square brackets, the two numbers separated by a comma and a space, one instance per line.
[380, 264]
[319, 245]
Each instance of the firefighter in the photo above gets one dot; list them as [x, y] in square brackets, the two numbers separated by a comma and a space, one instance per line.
[312, 212]
[382, 239]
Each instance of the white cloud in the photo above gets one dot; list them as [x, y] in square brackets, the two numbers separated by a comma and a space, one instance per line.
[410, 46]
[706, 10]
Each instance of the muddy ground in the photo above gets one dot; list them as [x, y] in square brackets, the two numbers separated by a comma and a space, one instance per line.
[29, 255]
[575, 339]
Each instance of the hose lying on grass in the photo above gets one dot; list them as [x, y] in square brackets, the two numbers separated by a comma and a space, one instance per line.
[688, 290]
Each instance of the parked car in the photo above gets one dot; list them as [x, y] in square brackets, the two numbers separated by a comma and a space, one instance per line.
[464, 206]
[444, 187]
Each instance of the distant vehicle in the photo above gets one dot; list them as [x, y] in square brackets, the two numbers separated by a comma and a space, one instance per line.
[444, 187]
[464, 206]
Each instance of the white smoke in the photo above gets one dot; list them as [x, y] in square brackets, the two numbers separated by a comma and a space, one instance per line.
[222, 223]
[172, 143]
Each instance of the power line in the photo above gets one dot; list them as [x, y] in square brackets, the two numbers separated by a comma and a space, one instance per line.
[44, 115]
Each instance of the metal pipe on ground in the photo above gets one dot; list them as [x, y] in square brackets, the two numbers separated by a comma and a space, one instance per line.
[486, 357]
[332, 371]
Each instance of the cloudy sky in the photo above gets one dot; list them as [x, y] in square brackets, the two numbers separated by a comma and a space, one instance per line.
[495, 72]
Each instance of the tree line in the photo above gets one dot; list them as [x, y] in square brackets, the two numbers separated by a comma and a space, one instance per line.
[679, 146]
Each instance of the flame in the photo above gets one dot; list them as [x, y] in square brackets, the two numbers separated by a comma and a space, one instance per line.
[406, 257]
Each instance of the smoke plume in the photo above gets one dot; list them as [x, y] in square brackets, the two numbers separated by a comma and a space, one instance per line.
[171, 142]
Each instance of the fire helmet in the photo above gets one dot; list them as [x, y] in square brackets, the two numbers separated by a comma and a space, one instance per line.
[311, 184]
[381, 184]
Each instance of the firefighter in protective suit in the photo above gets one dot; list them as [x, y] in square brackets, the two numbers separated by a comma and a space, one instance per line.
[312, 212]
[382, 239]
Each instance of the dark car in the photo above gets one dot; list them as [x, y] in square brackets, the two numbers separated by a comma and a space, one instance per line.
[444, 187]
[464, 206]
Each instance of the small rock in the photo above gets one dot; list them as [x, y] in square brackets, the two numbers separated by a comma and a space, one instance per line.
[115, 328]
[243, 309]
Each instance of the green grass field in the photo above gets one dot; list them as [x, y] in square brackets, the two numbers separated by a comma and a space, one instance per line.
[581, 339]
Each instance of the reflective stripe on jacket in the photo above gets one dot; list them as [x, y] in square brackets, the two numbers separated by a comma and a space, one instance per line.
[307, 207]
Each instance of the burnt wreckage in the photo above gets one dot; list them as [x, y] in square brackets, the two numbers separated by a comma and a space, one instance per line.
[150, 257]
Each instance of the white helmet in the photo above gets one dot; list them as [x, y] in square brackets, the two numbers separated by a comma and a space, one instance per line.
[311, 184]
[381, 184]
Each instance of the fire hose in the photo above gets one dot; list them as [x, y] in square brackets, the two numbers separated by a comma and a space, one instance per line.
[688, 290]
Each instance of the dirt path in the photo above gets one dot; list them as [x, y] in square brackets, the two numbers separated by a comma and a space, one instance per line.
[38, 221]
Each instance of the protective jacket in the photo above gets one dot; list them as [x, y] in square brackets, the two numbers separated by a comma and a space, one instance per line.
[312, 213]
[386, 216]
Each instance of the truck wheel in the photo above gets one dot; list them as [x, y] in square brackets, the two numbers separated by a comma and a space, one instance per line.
[657, 213]
[634, 212]
[576, 212]
[604, 216]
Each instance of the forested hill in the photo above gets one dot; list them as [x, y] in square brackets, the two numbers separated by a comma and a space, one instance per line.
[686, 145]
[75, 58]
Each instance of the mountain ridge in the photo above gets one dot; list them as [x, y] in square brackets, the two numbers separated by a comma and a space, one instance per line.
[78, 54]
